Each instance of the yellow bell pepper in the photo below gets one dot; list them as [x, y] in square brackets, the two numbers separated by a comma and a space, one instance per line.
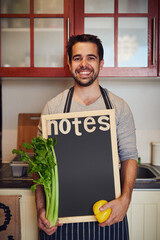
[101, 216]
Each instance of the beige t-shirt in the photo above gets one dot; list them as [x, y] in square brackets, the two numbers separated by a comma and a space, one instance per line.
[125, 127]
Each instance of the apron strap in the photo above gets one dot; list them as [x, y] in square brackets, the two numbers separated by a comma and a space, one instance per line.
[68, 100]
[70, 95]
[106, 99]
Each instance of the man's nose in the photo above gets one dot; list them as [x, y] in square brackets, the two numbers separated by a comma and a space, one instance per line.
[84, 62]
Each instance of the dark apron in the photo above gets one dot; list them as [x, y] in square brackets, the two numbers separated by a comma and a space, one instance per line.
[89, 230]
[70, 94]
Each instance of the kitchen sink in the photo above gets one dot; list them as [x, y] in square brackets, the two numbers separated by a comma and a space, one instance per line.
[147, 173]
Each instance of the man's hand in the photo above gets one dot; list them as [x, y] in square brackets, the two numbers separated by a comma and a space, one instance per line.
[120, 205]
[119, 208]
[44, 224]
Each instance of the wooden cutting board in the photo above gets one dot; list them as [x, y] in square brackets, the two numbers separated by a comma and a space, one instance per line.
[27, 128]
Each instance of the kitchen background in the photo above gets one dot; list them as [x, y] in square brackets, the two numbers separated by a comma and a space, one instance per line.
[33, 69]
[28, 95]
[30, 35]
[0, 122]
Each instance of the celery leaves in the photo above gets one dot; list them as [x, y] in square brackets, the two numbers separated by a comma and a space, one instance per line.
[44, 163]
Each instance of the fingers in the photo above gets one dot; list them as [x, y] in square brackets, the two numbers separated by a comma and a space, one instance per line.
[111, 220]
[46, 229]
[44, 224]
[42, 220]
[117, 214]
[105, 206]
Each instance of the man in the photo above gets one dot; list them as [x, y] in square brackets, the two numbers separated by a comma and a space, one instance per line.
[85, 61]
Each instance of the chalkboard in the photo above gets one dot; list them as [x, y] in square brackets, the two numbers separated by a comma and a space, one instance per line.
[87, 159]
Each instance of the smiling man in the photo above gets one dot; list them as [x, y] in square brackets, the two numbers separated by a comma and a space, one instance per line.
[85, 62]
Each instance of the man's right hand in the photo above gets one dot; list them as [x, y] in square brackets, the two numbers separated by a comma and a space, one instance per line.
[44, 224]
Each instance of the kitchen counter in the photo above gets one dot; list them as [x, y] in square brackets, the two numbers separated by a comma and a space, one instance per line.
[8, 181]
[144, 204]
[151, 181]
[147, 185]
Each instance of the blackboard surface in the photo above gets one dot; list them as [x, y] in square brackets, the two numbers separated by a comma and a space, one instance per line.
[85, 160]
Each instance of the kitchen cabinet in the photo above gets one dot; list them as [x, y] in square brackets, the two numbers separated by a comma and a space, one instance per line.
[128, 30]
[28, 214]
[144, 215]
[34, 36]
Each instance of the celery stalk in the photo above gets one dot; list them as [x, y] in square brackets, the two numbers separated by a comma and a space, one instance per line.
[44, 162]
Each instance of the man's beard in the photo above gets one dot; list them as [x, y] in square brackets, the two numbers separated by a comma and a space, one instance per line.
[83, 84]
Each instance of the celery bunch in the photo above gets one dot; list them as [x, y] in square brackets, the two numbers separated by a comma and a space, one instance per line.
[44, 163]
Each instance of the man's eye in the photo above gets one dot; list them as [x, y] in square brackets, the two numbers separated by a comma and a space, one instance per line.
[77, 59]
[91, 58]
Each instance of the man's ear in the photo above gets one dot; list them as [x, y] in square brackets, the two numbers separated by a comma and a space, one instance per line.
[101, 64]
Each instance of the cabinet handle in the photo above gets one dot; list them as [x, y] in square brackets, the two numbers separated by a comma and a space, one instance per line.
[154, 42]
[68, 29]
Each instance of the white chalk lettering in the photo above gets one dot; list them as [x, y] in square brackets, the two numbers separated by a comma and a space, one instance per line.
[105, 123]
[55, 124]
[88, 121]
[76, 123]
[68, 126]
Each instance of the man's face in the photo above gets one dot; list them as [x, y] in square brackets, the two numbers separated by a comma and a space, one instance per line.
[85, 64]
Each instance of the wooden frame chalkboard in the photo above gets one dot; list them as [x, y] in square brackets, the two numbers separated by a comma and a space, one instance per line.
[87, 159]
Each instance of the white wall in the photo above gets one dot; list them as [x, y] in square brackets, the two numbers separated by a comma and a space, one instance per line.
[29, 96]
[143, 97]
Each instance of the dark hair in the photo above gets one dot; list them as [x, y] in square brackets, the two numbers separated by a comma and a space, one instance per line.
[84, 38]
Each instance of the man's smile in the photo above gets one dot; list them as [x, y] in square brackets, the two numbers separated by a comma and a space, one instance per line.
[84, 73]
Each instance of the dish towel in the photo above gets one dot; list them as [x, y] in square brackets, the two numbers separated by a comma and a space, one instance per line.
[10, 225]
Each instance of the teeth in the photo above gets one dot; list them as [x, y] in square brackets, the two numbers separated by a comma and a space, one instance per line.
[84, 72]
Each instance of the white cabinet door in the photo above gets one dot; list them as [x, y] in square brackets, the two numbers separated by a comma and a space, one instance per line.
[144, 215]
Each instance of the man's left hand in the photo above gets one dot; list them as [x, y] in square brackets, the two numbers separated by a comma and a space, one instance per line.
[119, 208]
